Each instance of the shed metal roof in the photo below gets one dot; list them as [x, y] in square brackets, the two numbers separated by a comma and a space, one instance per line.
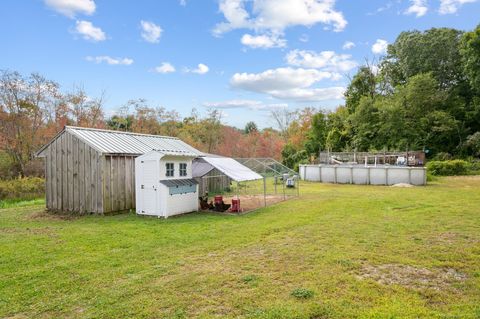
[127, 143]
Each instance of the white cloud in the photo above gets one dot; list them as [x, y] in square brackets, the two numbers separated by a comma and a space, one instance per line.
[150, 31]
[109, 60]
[276, 16]
[201, 69]
[304, 38]
[70, 8]
[288, 83]
[164, 68]
[183, 3]
[326, 60]
[263, 41]
[451, 6]
[244, 104]
[311, 95]
[380, 46]
[348, 45]
[383, 8]
[89, 31]
[417, 7]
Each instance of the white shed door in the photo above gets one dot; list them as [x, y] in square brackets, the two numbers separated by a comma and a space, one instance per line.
[149, 187]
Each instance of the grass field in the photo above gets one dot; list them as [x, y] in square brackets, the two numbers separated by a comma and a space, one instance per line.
[339, 251]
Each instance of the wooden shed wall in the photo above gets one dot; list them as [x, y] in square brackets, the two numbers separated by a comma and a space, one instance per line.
[119, 185]
[80, 179]
[74, 179]
[213, 182]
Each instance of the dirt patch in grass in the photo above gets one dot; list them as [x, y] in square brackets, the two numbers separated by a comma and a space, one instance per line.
[450, 238]
[45, 215]
[49, 231]
[411, 277]
[249, 203]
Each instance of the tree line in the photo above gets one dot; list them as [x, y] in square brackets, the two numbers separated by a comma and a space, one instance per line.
[424, 94]
[33, 109]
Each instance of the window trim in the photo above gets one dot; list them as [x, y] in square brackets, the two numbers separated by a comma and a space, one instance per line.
[183, 171]
[170, 170]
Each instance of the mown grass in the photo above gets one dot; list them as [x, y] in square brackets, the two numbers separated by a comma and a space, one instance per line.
[252, 266]
[10, 203]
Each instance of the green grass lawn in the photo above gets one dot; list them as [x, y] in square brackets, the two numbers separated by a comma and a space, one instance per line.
[338, 251]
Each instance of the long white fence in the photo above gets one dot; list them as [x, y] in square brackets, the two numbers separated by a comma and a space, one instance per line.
[359, 174]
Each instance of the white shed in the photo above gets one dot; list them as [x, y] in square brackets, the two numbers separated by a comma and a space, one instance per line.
[164, 183]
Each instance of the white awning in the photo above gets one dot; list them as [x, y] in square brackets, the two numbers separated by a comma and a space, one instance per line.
[227, 166]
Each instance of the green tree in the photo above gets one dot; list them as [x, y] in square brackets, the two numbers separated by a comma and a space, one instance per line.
[317, 134]
[250, 127]
[434, 50]
[473, 144]
[339, 123]
[362, 84]
[470, 50]
[291, 157]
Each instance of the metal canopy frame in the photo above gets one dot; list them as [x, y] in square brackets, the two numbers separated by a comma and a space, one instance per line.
[268, 168]
[266, 163]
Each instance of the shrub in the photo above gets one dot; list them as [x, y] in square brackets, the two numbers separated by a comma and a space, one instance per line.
[22, 188]
[302, 293]
[442, 156]
[448, 168]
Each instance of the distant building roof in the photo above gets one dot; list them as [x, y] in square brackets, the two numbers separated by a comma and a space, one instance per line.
[127, 143]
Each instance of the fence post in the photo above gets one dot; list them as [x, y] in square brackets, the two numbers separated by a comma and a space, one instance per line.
[386, 175]
[283, 186]
[275, 180]
[265, 191]
[320, 173]
[335, 174]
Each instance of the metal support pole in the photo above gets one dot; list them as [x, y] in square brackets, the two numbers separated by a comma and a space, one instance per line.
[298, 188]
[283, 186]
[265, 191]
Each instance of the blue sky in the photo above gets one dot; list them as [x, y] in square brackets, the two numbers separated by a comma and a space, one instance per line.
[244, 57]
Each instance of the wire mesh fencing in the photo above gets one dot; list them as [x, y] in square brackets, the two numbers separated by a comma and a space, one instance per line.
[248, 195]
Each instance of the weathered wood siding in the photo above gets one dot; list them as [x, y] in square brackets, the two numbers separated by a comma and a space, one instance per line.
[73, 176]
[118, 183]
[80, 179]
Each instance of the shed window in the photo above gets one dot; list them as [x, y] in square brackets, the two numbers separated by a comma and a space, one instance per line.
[183, 169]
[170, 170]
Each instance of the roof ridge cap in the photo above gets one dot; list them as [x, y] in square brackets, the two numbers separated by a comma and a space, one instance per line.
[69, 127]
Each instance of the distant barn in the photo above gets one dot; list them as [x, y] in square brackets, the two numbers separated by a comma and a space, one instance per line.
[93, 171]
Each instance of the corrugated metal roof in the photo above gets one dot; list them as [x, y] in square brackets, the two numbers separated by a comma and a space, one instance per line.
[179, 182]
[117, 142]
[200, 169]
